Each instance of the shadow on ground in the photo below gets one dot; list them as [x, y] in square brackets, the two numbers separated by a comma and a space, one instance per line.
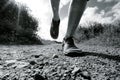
[111, 57]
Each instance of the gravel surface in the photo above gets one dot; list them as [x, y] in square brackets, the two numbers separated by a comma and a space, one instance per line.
[47, 62]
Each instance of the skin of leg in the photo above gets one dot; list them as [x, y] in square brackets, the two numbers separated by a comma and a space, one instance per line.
[76, 11]
[55, 9]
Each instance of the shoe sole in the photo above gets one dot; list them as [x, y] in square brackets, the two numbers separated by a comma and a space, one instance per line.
[74, 53]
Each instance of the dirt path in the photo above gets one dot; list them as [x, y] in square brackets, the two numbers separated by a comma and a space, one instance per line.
[46, 62]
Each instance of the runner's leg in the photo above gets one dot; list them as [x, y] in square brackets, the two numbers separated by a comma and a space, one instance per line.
[55, 9]
[76, 10]
[54, 30]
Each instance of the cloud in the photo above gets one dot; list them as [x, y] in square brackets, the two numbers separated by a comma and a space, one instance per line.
[99, 0]
[94, 14]
[115, 11]
[108, 0]
[91, 15]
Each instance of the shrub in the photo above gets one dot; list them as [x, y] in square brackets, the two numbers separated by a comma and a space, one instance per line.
[17, 26]
[108, 34]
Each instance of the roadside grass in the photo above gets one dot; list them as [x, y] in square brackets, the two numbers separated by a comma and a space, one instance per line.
[99, 34]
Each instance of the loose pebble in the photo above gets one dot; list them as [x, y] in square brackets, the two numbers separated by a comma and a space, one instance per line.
[32, 62]
[55, 56]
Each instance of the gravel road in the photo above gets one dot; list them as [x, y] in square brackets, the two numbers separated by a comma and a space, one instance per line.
[47, 62]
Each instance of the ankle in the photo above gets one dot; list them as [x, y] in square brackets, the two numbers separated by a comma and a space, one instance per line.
[69, 40]
[56, 18]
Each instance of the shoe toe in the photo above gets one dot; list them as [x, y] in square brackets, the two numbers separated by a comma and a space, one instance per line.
[72, 51]
[54, 34]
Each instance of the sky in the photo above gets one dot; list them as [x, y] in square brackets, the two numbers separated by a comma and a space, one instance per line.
[102, 11]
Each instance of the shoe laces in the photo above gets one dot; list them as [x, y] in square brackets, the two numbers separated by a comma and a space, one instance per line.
[70, 41]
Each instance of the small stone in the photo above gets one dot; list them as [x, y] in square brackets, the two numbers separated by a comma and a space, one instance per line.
[20, 64]
[67, 71]
[37, 56]
[85, 74]
[10, 61]
[28, 71]
[65, 75]
[15, 78]
[59, 49]
[76, 69]
[107, 50]
[32, 62]
[40, 67]
[10, 64]
[55, 73]
[38, 77]
[55, 56]
[1, 73]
